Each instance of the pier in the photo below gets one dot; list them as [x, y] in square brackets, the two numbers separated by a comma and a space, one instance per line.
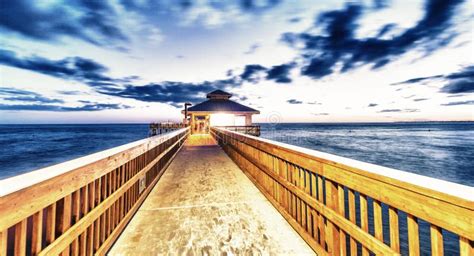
[228, 192]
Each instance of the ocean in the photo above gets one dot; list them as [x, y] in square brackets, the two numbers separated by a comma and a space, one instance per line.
[443, 150]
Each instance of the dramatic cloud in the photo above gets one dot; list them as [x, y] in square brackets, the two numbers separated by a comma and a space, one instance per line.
[457, 103]
[172, 93]
[294, 101]
[91, 21]
[338, 45]
[457, 82]
[95, 75]
[280, 73]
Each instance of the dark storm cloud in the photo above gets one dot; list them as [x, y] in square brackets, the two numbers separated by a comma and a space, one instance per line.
[457, 82]
[459, 86]
[294, 101]
[372, 105]
[91, 21]
[280, 73]
[338, 45]
[169, 92]
[250, 71]
[41, 107]
[457, 103]
[18, 95]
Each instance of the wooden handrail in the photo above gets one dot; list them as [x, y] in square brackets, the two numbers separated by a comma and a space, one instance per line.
[322, 196]
[81, 206]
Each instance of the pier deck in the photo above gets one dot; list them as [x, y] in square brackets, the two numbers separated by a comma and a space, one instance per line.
[204, 204]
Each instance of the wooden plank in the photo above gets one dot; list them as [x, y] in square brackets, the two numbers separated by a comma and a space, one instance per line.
[3, 242]
[342, 211]
[20, 238]
[364, 219]
[76, 208]
[413, 236]
[322, 225]
[394, 229]
[378, 223]
[466, 247]
[332, 201]
[37, 233]
[352, 218]
[65, 218]
[50, 223]
[436, 240]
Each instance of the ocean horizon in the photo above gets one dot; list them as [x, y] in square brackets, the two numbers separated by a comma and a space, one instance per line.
[442, 150]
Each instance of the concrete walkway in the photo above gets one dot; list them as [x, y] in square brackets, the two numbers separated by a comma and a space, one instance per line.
[205, 205]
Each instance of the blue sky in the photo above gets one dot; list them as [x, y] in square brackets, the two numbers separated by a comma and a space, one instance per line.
[85, 61]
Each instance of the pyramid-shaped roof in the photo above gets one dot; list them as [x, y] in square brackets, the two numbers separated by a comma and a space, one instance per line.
[219, 94]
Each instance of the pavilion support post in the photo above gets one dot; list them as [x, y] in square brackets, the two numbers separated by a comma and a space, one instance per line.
[248, 119]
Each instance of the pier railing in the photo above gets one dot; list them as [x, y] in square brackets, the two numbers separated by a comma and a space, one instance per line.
[80, 207]
[341, 206]
[245, 129]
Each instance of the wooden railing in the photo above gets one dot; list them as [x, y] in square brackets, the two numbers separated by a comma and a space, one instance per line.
[80, 207]
[341, 206]
[253, 130]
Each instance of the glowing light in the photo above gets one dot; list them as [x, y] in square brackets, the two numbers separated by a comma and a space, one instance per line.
[222, 120]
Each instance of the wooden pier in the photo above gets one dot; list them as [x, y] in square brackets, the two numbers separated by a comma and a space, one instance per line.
[127, 200]
[205, 205]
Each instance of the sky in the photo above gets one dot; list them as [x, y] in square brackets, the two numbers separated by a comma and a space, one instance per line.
[138, 61]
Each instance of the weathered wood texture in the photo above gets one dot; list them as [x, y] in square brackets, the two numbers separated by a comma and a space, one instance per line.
[334, 202]
[86, 205]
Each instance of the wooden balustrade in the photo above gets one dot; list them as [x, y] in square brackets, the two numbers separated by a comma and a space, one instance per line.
[341, 206]
[253, 130]
[80, 207]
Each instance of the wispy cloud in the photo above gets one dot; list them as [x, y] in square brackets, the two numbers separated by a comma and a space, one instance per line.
[407, 110]
[457, 103]
[457, 82]
[55, 108]
[18, 95]
[294, 101]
